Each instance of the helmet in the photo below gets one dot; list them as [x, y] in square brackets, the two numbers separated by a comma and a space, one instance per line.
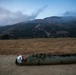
[19, 59]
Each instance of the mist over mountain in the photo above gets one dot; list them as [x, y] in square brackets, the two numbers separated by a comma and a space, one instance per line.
[8, 17]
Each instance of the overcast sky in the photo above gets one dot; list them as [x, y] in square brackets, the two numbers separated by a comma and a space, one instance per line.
[14, 11]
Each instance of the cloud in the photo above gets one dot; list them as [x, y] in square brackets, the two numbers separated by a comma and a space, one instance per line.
[70, 13]
[36, 13]
[7, 17]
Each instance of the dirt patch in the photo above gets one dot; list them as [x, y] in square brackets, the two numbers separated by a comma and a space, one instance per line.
[8, 67]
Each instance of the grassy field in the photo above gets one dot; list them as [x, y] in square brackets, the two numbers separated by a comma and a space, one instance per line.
[9, 49]
[30, 46]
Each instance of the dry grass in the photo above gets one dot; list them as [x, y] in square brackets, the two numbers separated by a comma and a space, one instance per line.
[30, 46]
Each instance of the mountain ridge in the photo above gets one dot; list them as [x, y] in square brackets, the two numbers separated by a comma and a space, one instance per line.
[55, 26]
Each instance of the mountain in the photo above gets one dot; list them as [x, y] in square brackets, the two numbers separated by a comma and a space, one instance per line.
[55, 26]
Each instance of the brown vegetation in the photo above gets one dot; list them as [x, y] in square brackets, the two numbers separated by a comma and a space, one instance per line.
[30, 46]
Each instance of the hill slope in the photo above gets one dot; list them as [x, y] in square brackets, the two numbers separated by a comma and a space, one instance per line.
[41, 28]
